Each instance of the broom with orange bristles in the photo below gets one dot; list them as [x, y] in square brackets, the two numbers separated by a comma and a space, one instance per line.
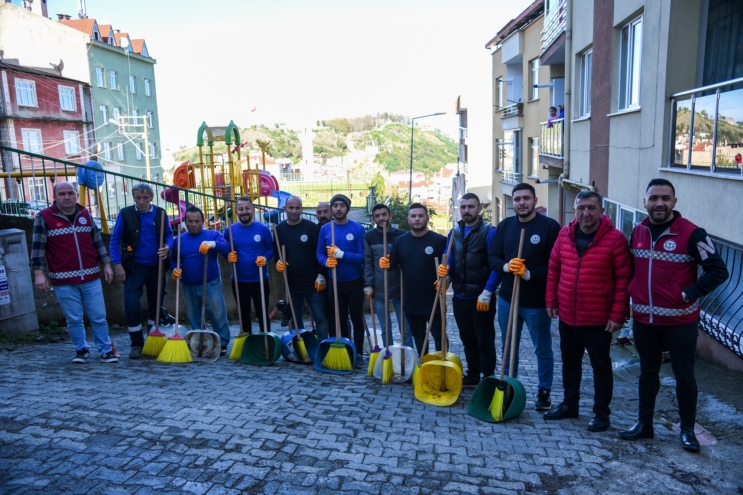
[175, 349]
[156, 340]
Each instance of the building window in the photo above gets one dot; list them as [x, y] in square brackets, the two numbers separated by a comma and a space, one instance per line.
[139, 151]
[153, 150]
[114, 77]
[116, 114]
[133, 85]
[533, 157]
[104, 114]
[120, 151]
[112, 189]
[147, 88]
[37, 189]
[100, 78]
[534, 79]
[623, 217]
[25, 93]
[499, 93]
[67, 98]
[584, 98]
[107, 151]
[32, 140]
[630, 59]
[150, 120]
[509, 156]
[71, 142]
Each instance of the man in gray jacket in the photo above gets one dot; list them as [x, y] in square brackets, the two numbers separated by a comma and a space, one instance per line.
[374, 276]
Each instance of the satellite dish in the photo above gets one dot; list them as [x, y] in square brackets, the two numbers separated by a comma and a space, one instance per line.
[124, 43]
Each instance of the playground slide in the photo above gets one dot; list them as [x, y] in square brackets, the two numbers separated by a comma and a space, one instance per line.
[171, 196]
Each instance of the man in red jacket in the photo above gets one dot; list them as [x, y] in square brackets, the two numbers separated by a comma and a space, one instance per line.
[587, 279]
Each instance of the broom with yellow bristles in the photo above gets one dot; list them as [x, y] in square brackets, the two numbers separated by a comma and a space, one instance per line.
[156, 340]
[337, 357]
[374, 354]
[237, 346]
[299, 348]
[387, 363]
[175, 349]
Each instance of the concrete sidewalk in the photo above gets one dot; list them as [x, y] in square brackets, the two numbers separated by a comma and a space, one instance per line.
[144, 427]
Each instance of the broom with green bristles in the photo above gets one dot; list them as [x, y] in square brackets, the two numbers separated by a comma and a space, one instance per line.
[387, 363]
[237, 346]
[175, 349]
[375, 352]
[156, 340]
[299, 348]
[337, 357]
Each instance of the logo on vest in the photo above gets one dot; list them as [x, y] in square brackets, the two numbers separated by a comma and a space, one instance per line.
[535, 239]
[82, 220]
[257, 238]
[349, 237]
[639, 245]
[429, 250]
[669, 245]
[303, 238]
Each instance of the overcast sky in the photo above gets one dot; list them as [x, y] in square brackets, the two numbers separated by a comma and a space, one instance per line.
[302, 61]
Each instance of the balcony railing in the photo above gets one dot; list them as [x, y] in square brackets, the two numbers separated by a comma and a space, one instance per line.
[550, 143]
[511, 177]
[706, 129]
[509, 111]
[554, 24]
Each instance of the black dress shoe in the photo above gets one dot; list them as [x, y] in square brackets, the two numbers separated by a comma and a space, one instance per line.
[470, 381]
[640, 430]
[689, 441]
[599, 423]
[562, 411]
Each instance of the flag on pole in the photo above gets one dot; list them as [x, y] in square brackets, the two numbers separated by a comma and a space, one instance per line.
[254, 109]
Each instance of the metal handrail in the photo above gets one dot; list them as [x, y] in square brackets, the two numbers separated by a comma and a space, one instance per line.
[707, 88]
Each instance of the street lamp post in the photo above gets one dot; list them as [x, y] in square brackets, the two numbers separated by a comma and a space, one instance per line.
[412, 133]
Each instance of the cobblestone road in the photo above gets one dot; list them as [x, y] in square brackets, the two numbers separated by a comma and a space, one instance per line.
[143, 427]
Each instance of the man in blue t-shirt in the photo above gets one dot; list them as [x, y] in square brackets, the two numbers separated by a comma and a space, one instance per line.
[196, 244]
[253, 247]
[347, 257]
[136, 254]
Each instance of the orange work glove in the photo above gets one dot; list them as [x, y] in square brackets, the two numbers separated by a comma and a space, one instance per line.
[206, 246]
[177, 273]
[442, 270]
[232, 257]
[331, 263]
[384, 262]
[260, 261]
[517, 266]
[320, 284]
[281, 266]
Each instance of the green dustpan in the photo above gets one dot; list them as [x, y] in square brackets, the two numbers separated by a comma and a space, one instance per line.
[514, 399]
[254, 349]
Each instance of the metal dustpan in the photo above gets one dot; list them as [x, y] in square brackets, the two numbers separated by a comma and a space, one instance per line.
[322, 351]
[514, 400]
[287, 345]
[261, 349]
[397, 352]
[204, 345]
[439, 383]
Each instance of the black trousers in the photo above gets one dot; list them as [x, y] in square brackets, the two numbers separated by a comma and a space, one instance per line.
[682, 345]
[350, 303]
[573, 342]
[477, 331]
[418, 324]
[251, 291]
[329, 311]
[136, 279]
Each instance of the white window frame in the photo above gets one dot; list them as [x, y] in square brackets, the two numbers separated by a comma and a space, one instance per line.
[121, 154]
[533, 157]
[116, 114]
[113, 77]
[637, 215]
[104, 114]
[630, 64]
[133, 85]
[67, 100]
[147, 87]
[153, 150]
[25, 93]
[150, 119]
[534, 79]
[584, 94]
[32, 146]
[37, 189]
[100, 77]
[500, 93]
[71, 142]
[138, 151]
[107, 151]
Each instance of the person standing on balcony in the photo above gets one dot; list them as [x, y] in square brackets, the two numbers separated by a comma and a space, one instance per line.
[667, 251]
[68, 242]
[253, 248]
[552, 116]
[347, 257]
[589, 271]
[136, 254]
[540, 236]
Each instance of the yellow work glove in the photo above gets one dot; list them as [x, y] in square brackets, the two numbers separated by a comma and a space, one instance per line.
[331, 263]
[281, 266]
[320, 284]
[206, 246]
[369, 291]
[443, 270]
[177, 273]
[232, 257]
[260, 261]
[483, 302]
[517, 266]
[384, 262]
[334, 252]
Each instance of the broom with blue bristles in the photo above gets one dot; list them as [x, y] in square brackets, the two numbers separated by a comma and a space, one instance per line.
[337, 357]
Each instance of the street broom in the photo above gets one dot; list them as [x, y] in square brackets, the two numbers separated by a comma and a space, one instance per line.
[387, 369]
[156, 340]
[175, 349]
[374, 354]
[299, 347]
[239, 342]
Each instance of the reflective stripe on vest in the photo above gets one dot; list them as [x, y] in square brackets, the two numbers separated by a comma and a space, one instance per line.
[67, 230]
[76, 273]
[640, 308]
[660, 255]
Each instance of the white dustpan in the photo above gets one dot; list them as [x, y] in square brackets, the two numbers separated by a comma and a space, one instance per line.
[204, 345]
[397, 375]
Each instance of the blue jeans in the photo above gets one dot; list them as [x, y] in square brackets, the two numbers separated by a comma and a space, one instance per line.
[88, 297]
[316, 302]
[539, 324]
[216, 309]
[379, 309]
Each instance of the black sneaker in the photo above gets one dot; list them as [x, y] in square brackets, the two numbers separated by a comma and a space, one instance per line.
[109, 357]
[470, 381]
[81, 356]
[223, 352]
[543, 400]
[359, 361]
[135, 353]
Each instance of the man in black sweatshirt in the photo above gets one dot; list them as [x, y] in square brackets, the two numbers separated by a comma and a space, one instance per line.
[540, 235]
